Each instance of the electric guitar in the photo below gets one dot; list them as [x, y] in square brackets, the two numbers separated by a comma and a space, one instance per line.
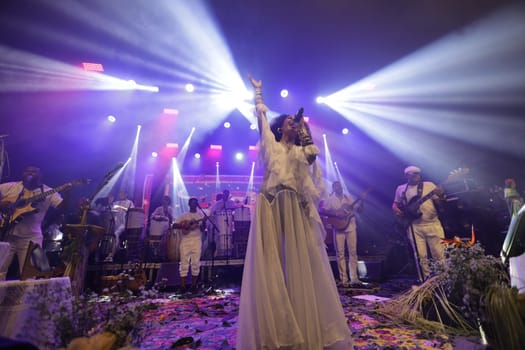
[14, 209]
[342, 217]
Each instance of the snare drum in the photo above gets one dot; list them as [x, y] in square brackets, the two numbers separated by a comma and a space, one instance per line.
[135, 218]
[173, 245]
[158, 228]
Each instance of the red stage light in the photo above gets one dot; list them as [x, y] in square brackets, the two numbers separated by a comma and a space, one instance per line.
[93, 67]
[216, 147]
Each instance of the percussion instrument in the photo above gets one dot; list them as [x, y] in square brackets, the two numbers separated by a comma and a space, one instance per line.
[224, 222]
[135, 218]
[173, 244]
[105, 247]
[107, 220]
[157, 228]
[241, 214]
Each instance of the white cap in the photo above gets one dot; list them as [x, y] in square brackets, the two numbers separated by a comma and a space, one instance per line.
[412, 169]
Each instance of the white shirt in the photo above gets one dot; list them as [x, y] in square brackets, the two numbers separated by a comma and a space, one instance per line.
[427, 208]
[31, 224]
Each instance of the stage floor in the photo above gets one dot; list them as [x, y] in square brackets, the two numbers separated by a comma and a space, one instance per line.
[208, 320]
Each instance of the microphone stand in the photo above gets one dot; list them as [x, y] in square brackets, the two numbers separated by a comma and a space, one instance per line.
[228, 231]
[212, 249]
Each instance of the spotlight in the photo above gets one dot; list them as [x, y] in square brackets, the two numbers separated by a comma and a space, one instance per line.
[320, 99]
[154, 154]
[227, 125]
[197, 156]
[170, 111]
[132, 83]
[239, 156]
[253, 126]
[345, 131]
[189, 87]
[112, 118]
[284, 93]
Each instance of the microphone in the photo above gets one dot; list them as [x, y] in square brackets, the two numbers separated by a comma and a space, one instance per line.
[114, 170]
[299, 115]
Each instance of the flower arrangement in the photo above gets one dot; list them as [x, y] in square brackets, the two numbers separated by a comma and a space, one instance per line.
[469, 291]
[92, 321]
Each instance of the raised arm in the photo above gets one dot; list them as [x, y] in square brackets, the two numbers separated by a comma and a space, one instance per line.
[260, 107]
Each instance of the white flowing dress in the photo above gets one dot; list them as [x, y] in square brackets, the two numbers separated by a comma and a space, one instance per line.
[288, 296]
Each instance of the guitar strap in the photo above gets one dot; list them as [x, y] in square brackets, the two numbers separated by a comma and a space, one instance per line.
[418, 195]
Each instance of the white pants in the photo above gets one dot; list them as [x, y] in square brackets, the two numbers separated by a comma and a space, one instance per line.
[431, 235]
[19, 246]
[190, 254]
[350, 237]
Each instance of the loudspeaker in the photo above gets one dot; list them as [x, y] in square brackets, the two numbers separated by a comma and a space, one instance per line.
[370, 268]
[169, 271]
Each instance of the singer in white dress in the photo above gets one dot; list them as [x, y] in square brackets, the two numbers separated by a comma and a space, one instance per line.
[288, 296]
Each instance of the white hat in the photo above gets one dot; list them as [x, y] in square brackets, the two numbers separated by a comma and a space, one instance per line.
[412, 169]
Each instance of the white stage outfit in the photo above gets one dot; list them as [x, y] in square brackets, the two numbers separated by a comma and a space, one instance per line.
[288, 296]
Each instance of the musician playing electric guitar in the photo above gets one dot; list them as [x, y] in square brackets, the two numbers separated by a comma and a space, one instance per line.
[190, 243]
[342, 207]
[27, 226]
[416, 204]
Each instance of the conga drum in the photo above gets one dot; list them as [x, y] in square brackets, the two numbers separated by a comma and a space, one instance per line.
[157, 229]
[173, 244]
[135, 218]
[224, 221]
[106, 247]
[241, 217]
[108, 220]
[156, 242]
[132, 238]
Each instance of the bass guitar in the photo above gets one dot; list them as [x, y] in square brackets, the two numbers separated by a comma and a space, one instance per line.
[342, 217]
[411, 210]
[14, 209]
